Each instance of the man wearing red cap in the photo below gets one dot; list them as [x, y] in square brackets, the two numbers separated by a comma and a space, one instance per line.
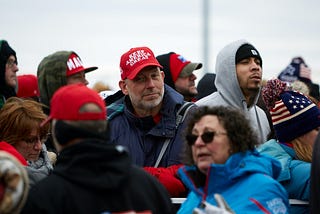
[59, 69]
[144, 120]
[91, 175]
[179, 74]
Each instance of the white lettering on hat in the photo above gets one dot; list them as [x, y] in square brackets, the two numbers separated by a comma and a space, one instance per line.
[74, 62]
[254, 52]
[137, 56]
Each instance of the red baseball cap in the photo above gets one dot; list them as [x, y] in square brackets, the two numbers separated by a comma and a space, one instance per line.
[179, 66]
[133, 61]
[68, 100]
[74, 65]
[28, 86]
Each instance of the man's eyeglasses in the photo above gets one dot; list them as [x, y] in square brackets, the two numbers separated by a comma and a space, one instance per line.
[206, 137]
[11, 63]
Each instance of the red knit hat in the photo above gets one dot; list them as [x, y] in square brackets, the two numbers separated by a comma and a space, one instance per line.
[28, 86]
[134, 60]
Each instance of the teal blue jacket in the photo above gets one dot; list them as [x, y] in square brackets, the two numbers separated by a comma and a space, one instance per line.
[294, 175]
[246, 181]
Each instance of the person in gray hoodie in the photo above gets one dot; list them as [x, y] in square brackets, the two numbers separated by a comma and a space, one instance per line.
[238, 82]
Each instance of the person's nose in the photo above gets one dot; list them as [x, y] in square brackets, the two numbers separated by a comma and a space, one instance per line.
[38, 145]
[192, 77]
[199, 142]
[255, 66]
[15, 68]
[149, 83]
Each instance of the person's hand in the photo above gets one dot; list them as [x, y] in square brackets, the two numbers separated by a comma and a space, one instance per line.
[168, 178]
[207, 208]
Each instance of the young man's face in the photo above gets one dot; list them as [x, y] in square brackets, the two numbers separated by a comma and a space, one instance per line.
[146, 90]
[249, 74]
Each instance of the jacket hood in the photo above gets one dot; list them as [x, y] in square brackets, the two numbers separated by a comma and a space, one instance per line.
[94, 164]
[52, 74]
[226, 80]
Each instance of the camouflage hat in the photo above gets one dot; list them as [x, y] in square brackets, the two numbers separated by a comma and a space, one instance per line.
[52, 72]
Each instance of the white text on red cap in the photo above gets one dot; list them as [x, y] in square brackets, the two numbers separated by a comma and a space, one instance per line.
[74, 62]
[137, 56]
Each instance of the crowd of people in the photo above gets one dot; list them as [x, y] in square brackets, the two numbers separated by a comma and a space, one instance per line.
[233, 144]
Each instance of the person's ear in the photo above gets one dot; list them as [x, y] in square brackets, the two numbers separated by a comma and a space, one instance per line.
[123, 87]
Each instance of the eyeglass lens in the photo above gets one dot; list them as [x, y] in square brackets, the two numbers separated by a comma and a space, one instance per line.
[206, 137]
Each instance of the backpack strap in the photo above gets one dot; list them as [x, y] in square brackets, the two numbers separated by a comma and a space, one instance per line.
[181, 114]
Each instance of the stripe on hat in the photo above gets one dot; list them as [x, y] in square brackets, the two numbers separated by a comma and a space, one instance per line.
[281, 113]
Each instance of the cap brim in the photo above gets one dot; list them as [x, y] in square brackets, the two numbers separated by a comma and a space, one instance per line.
[46, 121]
[86, 70]
[139, 68]
[189, 68]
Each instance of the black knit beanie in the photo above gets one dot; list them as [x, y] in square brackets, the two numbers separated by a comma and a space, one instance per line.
[5, 52]
[246, 51]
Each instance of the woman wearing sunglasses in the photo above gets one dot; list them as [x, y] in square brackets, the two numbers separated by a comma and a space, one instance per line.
[221, 159]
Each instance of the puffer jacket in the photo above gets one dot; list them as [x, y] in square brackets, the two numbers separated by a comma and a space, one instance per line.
[294, 175]
[246, 181]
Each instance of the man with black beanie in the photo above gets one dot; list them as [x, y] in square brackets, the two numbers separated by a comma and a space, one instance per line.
[8, 70]
[238, 82]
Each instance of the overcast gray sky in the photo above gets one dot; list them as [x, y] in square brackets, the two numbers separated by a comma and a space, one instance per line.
[101, 30]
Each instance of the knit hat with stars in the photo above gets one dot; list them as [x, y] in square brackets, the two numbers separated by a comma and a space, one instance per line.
[292, 113]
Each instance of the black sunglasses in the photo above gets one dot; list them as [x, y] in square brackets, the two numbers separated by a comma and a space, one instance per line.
[206, 137]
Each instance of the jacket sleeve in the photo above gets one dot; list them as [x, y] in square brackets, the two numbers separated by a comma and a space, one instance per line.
[169, 179]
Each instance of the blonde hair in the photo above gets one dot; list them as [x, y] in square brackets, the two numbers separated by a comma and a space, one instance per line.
[18, 117]
[303, 150]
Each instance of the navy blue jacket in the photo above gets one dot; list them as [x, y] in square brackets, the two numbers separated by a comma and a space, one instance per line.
[142, 136]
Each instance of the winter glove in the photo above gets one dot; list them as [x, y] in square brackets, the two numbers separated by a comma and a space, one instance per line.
[207, 208]
[168, 178]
